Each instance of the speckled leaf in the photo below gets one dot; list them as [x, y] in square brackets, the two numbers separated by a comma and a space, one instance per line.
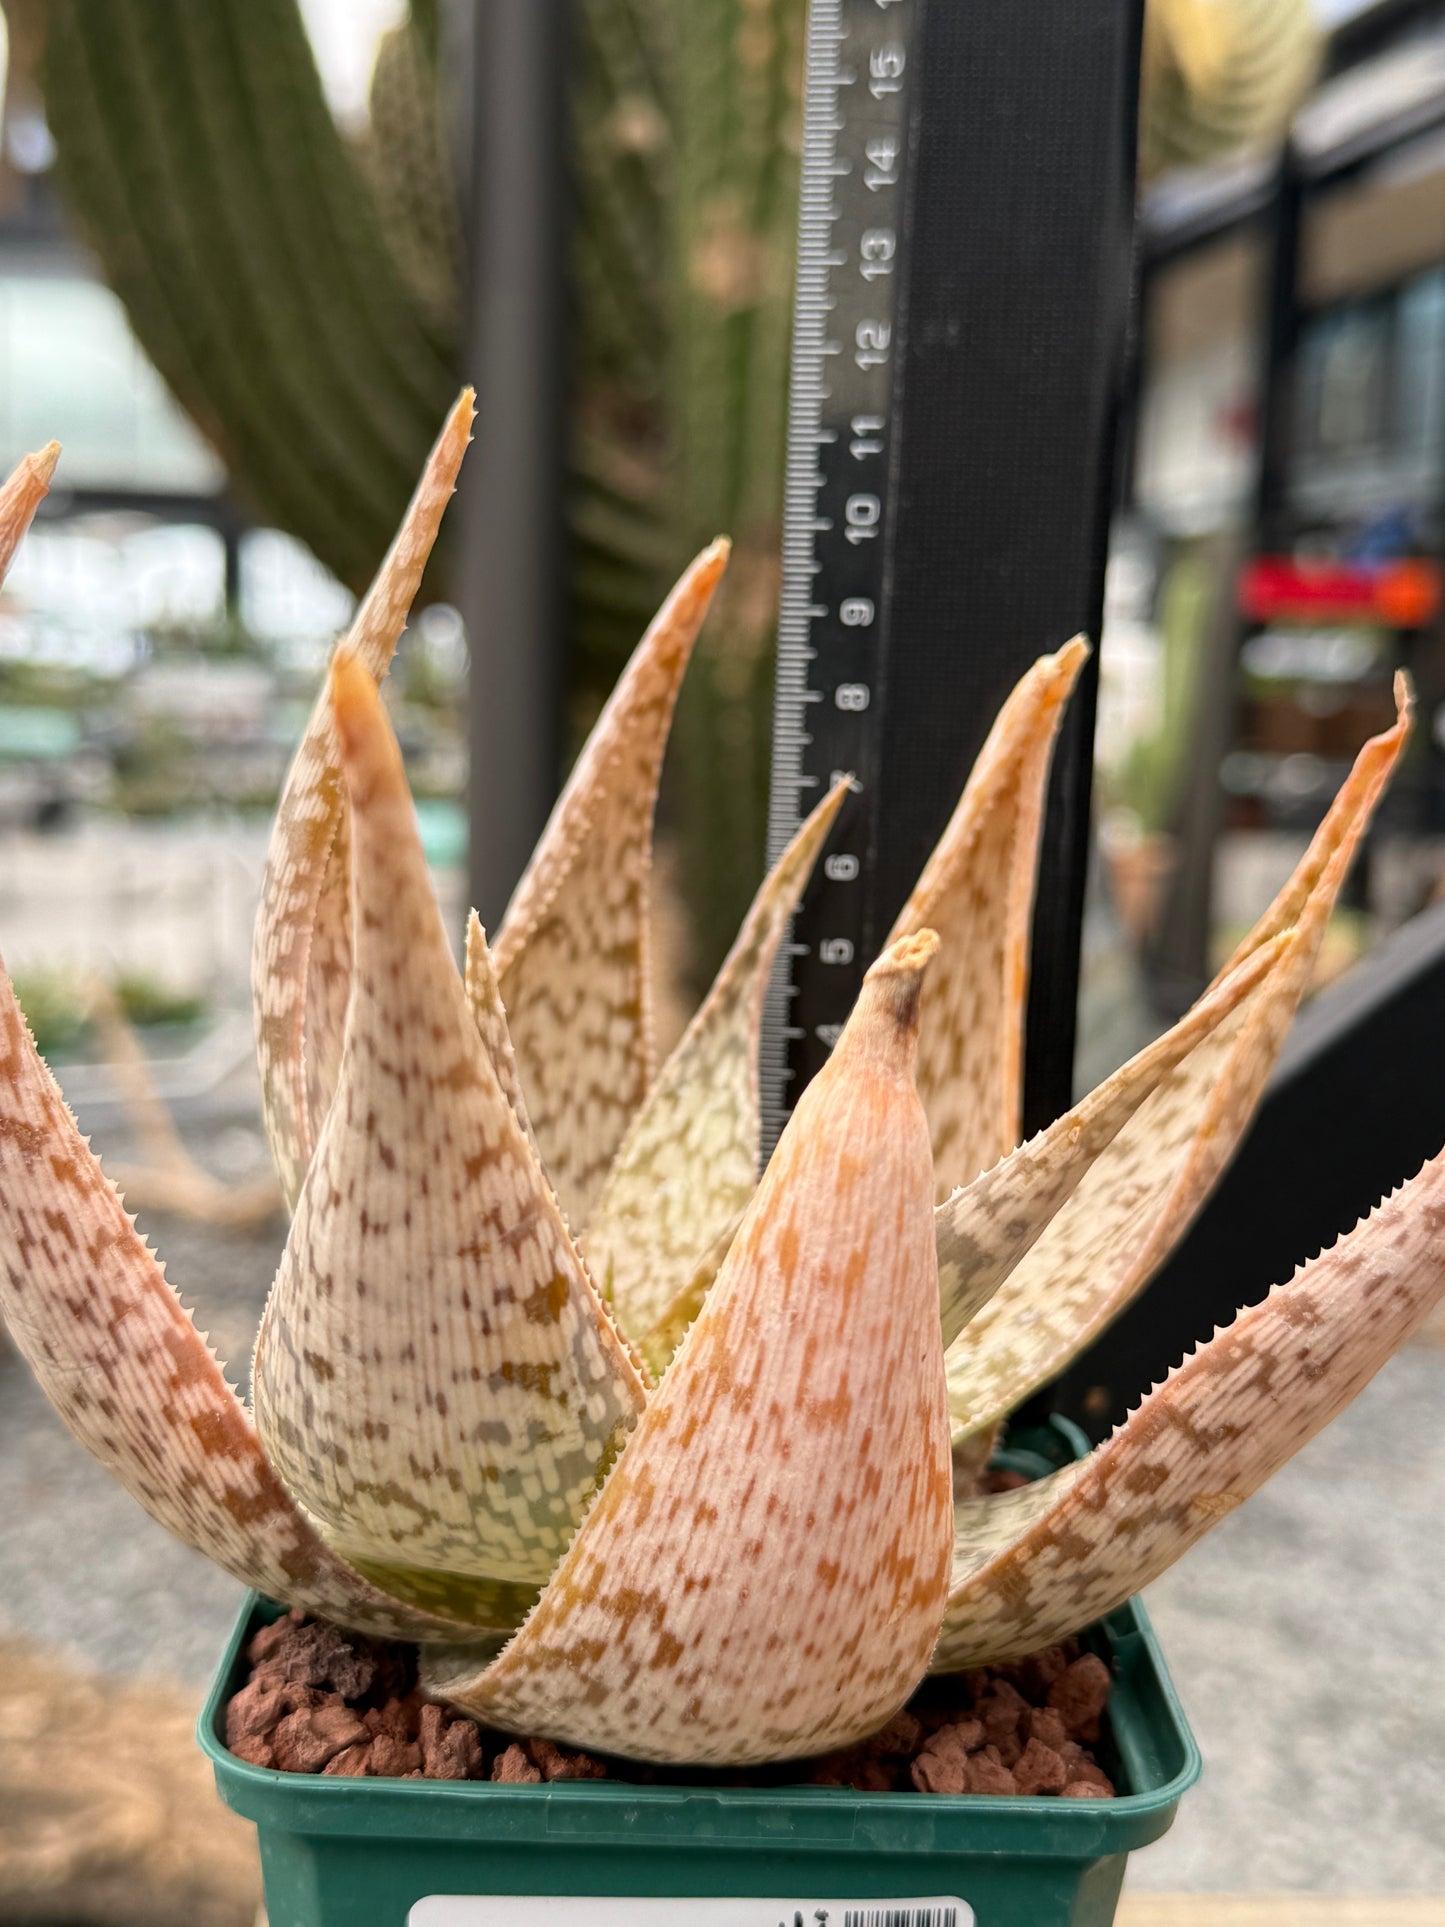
[436, 1379]
[763, 1574]
[24, 489]
[485, 997]
[659, 1343]
[1033, 1566]
[301, 956]
[571, 956]
[689, 1162]
[977, 891]
[120, 1359]
[985, 1228]
[1133, 1206]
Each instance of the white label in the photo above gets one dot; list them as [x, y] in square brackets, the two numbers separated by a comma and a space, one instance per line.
[512, 1910]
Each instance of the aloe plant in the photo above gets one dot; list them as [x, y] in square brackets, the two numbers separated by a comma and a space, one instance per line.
[649, 1456]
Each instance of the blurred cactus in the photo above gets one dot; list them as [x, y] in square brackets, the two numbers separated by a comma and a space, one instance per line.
[301, 295]
[1222, 75]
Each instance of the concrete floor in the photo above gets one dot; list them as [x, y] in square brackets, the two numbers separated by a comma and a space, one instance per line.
[1306, 1635]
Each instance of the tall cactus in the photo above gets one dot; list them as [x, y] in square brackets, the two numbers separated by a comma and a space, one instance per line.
[198, 154]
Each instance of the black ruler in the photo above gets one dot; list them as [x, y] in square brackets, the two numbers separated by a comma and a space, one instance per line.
[963, 290]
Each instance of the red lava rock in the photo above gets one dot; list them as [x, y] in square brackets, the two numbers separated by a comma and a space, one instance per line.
[272, 1637]
[1009, 1750]
[451, 1746]
[969, 1734]
[1040, 1770]
[1036, 1674]
[1043, 1724]
[942, 1766]
[306, 1739]
[554, 1764]
[393, 1758]
[1079, 1696]
[984, 1732]
[988, 1776]
[1001, 1709]
[513, 1768]
[903, 1734]
[257, 1710]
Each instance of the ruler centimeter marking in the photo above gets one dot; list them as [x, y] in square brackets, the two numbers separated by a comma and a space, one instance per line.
[833, 614]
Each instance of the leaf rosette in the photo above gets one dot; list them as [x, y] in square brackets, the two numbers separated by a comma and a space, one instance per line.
[649, 1454]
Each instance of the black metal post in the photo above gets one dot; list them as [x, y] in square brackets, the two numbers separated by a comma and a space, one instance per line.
[1016, 307]
[509, 566]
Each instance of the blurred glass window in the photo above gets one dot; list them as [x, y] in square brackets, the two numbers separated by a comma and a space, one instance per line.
[70, 369]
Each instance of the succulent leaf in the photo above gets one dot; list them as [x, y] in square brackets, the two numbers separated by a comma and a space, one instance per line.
[689, 1162]
[484, 994]
[1134, 1204]
[658, 1344]
[437, 1380]
[120, 1359]
[301, 957]
[987, 1227]
[1033, 1566]
[571, 956]
[762, 1576]
[22, 492]
[977, 891]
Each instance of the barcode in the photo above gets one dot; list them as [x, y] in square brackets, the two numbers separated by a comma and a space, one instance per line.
[901, 1917]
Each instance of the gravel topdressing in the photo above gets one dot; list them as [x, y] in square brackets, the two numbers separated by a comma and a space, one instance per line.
[322, 1701]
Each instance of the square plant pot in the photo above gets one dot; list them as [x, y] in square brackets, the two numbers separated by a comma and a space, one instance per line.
[340, 1852]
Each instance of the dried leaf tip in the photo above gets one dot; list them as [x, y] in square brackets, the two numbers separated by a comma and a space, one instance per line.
[1404, 693]
[1069, 660]
[894, 983]
[41, 464]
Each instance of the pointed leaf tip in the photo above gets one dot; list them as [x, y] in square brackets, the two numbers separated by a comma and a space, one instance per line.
[1133, 1204]
[572, 955]
[977, 891]
[370, 757]
[21, 494]
[301, 955]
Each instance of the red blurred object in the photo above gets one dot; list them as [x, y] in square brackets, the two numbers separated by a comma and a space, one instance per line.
[1402, 595]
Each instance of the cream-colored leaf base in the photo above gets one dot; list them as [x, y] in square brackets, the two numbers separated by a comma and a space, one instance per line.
[436, 1379]
[986, 1228]
[763, 1574]
[977, 892]
[689, 1162]
[1135, 1203]
[301, 956]
[1033, 1566]
[120, 1359]
[571, 956]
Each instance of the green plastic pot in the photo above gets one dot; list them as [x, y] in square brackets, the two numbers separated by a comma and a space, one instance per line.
[341, 1852]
